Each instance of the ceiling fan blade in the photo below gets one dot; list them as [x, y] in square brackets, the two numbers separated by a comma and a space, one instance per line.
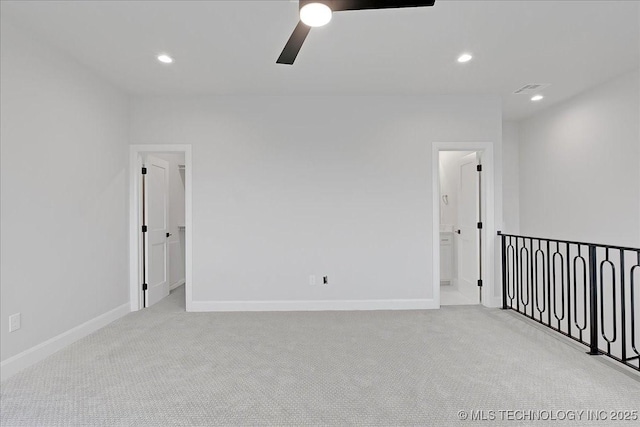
[291, 49]
[340, 5]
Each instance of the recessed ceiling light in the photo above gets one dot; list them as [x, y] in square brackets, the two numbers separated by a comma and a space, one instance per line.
[465, 57]
[315, 14]
[165, 59]
[537, 98]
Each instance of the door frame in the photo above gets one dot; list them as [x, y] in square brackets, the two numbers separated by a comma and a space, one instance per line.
[487, 203]
[136, 152]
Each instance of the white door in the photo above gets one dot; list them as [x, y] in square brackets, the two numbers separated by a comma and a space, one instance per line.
[156, 218]
[468, 218]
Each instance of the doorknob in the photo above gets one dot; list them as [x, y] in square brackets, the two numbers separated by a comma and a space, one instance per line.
[458, 231]
[168, 234]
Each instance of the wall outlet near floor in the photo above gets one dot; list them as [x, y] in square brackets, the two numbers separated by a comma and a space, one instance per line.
[14, 322]
[325, 280]
[312, 280]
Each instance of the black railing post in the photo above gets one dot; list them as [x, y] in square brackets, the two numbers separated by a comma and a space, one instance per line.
[504, 271]
[593, 302]
[623, 305]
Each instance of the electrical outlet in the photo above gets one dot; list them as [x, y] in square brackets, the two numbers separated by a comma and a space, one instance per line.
[312, 280]
[325, 280]
[14, 322]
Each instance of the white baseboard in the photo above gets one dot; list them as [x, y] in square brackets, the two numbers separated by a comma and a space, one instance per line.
[15, 364]
[177, 284]
[322, 305]
[494, 302]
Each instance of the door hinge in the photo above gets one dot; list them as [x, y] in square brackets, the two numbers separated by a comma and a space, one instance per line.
[144, 228]
[480, 282]
[479, 226]
[144, 286]
[144, 170]
[479, 168]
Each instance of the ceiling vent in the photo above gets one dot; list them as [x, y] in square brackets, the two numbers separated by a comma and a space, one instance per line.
[532, 89]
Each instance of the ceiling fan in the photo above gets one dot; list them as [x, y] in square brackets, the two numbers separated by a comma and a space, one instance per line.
[316, 13]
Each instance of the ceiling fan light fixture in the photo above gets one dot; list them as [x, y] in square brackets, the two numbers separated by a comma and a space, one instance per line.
[315, 14]
[465, 57]
[164, 58]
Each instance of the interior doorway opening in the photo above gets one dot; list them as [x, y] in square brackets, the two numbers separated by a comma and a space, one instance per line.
[160, 223]
[459, 232]
[162, 212]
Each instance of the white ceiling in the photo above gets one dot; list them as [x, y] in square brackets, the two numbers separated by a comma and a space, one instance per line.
[230, 47]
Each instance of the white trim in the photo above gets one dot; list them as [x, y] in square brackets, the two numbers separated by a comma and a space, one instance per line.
[177, 284]
[20, 361]
[495, 302]
[315, 305]
[181, 280]
[135, 163]
[488, 211]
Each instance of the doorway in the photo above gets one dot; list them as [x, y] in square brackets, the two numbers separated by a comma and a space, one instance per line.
[463, 223]
[460, 216]
[160, 223]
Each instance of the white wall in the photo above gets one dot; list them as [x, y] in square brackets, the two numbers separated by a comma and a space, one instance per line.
[286, 187]
[580, 167]
[64, 193]
[511, 177]
[175, 242]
